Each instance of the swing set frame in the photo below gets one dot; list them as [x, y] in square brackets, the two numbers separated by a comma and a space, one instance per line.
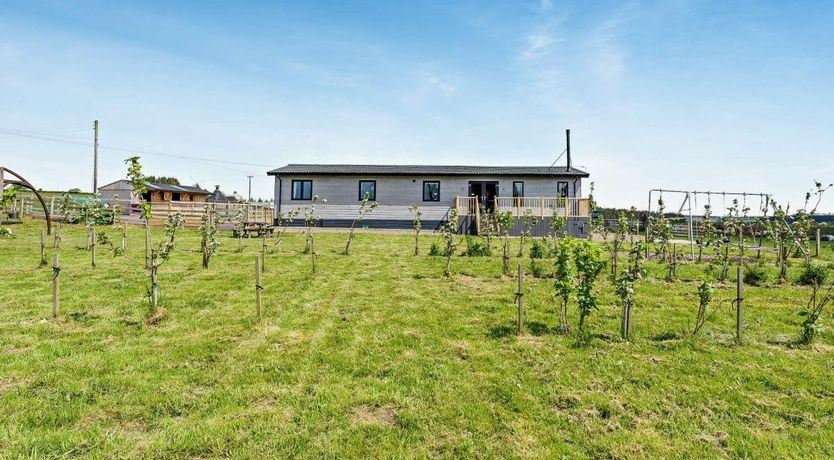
[17, 179]
[690, 199]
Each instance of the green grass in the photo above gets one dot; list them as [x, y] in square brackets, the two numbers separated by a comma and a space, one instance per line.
[378, 355]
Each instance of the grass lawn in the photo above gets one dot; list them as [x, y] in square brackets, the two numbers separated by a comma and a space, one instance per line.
[379, 355]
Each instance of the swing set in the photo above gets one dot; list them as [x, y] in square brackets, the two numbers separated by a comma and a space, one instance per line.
[689, 205]
[9, 177]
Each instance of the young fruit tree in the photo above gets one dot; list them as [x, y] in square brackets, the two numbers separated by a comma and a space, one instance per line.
[558, 222]
[528, 220]
[208, 235]
[159, 255]
[417, 225]
[449, 230]
[239, 222]
[565, 281]
[505, 224]
[283, 222]
[624, 285]
[708, 234]
[661, 231]
[733, 223]
[812, 313]
[312, 219]
[139, 186]
[65, 206]
[617, 242]
[365, 208]
[790, 232]
[589, 264]
[489, 226]
[705, 291]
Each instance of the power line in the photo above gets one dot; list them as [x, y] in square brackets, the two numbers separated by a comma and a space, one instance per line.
[67, 140]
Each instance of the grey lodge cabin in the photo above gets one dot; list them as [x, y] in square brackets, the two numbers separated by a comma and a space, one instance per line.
[473, 190]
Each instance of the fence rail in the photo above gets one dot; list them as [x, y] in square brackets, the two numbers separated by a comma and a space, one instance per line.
[543, 206]
[191, 211]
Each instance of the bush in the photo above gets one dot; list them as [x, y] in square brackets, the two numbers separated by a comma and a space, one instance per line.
[476, 248]
[437, 250]
[755, 275]
[813, 274]
[537, 270]
[104, 218]
[537, 250]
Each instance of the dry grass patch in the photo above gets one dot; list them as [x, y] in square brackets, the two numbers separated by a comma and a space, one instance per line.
[368, 415]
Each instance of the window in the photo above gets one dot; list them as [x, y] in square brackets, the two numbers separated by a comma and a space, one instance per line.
[431, 190]
[367, 188]
[302, 190]
[518, 189]
[562, 189]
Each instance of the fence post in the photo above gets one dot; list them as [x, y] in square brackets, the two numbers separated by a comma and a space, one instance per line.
[154, 284]
[519, 297]
[124, 237]
[56, 270]
[147, 245]
[258, 287]
[739, 305]
[43, 250]
[263, 251]
[93, 246]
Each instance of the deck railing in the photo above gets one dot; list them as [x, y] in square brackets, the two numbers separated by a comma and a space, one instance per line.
[540, 206]
[544, 207]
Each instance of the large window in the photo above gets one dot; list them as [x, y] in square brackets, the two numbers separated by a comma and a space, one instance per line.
[302, 190]
[518, 189]
[431, 190]
[367, 188]
[562, 189]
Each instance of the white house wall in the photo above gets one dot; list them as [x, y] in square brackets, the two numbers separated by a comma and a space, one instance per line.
[395, 194]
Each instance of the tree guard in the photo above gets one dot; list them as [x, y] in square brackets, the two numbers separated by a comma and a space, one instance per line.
[17, 179]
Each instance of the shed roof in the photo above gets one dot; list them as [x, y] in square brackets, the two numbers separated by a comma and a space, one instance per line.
[162, 187]
[176, 188]
[427, 170]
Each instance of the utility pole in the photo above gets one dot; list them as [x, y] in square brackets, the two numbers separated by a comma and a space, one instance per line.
[250, 188]
[95, 157]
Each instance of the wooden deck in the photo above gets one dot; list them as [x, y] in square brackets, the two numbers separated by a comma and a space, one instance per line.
[541, 207]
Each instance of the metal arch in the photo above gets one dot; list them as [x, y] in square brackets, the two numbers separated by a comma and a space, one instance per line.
[19, 180]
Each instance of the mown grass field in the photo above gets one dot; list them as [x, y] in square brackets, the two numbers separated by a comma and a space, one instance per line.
[379, 356]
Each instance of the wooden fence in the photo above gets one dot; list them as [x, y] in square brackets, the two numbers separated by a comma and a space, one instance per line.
[192, 212]
[28, 206]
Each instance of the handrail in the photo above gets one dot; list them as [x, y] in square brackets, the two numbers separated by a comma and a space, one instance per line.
[544, 206]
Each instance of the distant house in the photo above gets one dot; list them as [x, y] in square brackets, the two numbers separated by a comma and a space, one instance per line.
[217, 196]
[473, 190]
[157, 193]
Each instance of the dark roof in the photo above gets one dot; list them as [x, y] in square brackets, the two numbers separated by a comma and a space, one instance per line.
[428, 170]
[220, 197]
[176, 188]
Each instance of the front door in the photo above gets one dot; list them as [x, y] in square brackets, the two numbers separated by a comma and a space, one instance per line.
[485, 191]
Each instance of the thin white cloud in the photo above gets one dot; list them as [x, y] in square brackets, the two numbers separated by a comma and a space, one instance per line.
[539, 44]
[429, 85]
[606, 57]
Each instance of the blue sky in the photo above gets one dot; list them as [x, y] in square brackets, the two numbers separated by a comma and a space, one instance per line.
[679, 94]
